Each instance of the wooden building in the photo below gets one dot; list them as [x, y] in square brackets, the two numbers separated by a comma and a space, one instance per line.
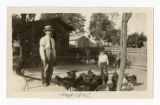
[61, 35]
[82, 42]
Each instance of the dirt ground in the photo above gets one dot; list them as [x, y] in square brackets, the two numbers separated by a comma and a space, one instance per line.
[33, 77]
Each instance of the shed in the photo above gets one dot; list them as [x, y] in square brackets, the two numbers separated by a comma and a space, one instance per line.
[61, 36]
[82, 42]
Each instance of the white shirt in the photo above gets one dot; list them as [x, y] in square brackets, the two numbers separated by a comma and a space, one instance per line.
[44, 44]
[103, 58]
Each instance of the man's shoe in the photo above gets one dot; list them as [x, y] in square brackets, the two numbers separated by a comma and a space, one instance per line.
[48, 84]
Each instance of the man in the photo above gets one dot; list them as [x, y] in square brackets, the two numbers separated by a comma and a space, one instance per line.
[48, 54]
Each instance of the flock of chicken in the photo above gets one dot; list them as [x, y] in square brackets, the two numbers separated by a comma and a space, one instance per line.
[86, 81]
[90, 81]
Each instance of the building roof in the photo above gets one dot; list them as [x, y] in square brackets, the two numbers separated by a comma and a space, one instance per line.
[74, 38]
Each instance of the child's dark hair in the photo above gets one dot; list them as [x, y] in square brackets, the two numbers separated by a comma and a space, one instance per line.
[102, 50]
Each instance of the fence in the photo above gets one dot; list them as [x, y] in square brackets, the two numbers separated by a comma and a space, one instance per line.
[136, 56]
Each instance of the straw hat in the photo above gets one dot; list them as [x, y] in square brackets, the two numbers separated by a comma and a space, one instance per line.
[48, 28]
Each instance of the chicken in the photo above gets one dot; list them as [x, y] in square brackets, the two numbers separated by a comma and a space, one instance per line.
[65, 82]
[72, 74]
[96, 82]
[83, 87]
[78, 81]
[113, 86]
[132, 80]
[104, 76]
[86, 82]
[98, 79]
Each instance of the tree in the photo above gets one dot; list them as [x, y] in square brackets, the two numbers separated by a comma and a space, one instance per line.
[136, 40]
[76, 20]
[16, 31]
[142, 38]
[115, 36]
[125, 19]
[100, 25]
[19, 25]
[103, 29]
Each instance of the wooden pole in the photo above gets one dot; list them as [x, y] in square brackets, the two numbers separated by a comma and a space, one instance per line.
[125, 18]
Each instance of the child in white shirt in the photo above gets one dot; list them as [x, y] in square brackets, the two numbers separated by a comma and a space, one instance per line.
[103, 61]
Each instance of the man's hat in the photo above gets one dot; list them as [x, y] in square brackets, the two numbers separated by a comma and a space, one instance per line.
[48, 28]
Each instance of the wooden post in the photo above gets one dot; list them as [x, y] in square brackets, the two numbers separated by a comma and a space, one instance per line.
[125, 18]
[23, 23]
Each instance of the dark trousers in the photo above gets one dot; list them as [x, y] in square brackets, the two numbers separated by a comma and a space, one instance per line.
[47, 71]
[103, 66]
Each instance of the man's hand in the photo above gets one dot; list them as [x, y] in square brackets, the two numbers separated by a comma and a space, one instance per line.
[44, 61]
[54, 62]
[107, 63]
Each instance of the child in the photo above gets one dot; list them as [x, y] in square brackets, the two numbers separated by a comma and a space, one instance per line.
[103, 61]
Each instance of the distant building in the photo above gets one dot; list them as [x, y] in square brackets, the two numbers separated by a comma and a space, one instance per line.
[82, 42]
